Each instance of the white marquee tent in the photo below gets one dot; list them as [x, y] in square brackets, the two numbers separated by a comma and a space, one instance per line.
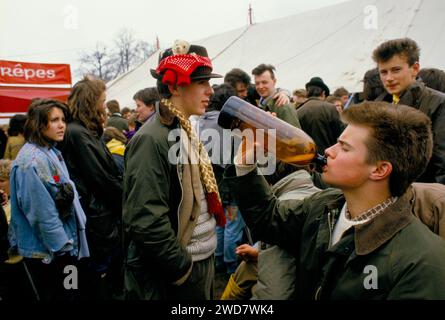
[334, 43]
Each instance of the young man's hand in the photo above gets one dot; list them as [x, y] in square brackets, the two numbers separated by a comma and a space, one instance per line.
[247, 252]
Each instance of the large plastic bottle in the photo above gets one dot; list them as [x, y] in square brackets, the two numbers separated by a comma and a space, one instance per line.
[292, 145]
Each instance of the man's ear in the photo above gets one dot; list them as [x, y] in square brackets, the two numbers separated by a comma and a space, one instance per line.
[416, 69]
[173, 90]
[381, 171]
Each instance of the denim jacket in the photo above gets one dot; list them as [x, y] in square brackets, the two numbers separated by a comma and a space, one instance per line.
[37, 230]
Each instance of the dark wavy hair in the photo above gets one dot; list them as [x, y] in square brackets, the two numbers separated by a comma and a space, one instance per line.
[405, 47]
[236, 75]
[372, 85]
[433, 78]
[38, 117]
[83, 103]
[221, 94]
[16, 125]
[149, 96]
[260, 69]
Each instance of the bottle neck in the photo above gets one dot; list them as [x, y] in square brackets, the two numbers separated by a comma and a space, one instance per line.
[321, 160]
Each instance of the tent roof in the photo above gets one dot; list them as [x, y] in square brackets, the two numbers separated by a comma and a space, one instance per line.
[334, 43]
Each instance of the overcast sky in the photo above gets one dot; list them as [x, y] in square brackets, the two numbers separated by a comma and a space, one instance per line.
[56, 31]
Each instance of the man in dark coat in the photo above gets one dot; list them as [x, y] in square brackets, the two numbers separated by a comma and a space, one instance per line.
[99, 183]
[318, 118]
[398, 64]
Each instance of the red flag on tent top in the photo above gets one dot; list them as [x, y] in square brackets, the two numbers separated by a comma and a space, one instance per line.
[14, 72]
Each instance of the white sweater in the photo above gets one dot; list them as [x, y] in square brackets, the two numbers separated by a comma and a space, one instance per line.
[202, 244]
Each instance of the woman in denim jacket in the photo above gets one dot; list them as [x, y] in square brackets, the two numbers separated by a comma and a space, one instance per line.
[47, 221]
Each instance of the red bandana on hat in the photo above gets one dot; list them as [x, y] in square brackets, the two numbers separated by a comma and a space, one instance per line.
[179, 67]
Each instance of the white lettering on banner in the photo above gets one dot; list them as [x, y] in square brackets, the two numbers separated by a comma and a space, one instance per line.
[50, 73]
[6, 71]
[41, 73]
[29, 73]
[19, 72]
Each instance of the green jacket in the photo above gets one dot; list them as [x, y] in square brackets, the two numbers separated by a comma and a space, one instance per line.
[408, 258]
[117, 121]
[286, 113]
[152, 196]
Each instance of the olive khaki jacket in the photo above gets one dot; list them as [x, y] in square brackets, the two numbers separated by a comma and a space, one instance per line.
[160, 209]
[394, 256]
[286, 113]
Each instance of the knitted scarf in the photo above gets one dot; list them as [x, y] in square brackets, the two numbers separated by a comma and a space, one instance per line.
[205, 167]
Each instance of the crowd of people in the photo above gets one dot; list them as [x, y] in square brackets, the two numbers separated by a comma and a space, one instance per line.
[141, 207]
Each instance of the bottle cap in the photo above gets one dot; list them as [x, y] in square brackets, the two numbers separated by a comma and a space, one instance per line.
[321, 160]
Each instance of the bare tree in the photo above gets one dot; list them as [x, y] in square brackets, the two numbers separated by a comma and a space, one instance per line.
[129, 51]
[107, 64]
[98, 62]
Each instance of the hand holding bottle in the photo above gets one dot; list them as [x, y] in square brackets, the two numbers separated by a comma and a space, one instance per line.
[247, 152]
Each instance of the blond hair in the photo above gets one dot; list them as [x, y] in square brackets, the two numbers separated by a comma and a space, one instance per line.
[5, 169]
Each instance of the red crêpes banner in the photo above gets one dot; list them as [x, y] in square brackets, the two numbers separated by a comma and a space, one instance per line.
[14, 72]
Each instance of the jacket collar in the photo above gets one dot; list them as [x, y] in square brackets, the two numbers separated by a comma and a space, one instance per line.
[370, 236]
[410, 97]
[413, 94]
[269, 101]
[310, 100]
